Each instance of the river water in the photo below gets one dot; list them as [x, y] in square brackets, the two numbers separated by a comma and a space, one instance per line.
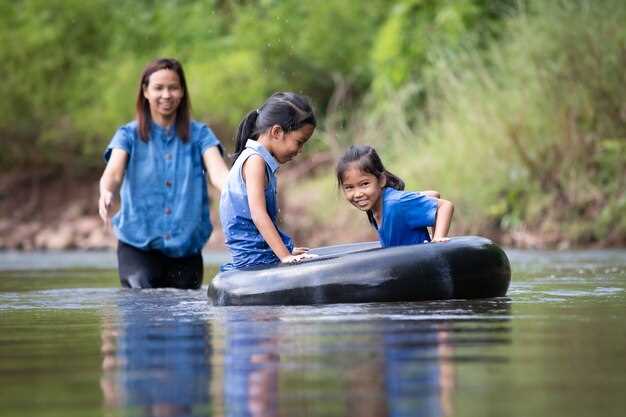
[72, 343]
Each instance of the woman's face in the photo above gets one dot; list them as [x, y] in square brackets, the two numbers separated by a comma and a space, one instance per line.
[164, 94]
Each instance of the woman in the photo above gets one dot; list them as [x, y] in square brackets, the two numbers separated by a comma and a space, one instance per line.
[162, 161]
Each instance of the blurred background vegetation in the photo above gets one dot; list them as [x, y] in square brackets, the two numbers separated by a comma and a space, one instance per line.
[514, 110]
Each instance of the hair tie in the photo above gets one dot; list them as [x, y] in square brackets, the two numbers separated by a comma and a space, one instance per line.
[258, 111]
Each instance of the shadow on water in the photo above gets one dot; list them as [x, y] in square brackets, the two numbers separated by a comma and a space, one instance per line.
[162, 357]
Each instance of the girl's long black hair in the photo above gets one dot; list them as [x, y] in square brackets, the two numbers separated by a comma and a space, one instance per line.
[367, 160]
[288, 110]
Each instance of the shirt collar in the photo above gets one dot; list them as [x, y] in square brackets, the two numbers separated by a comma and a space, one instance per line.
[167, 134]
[267, 156]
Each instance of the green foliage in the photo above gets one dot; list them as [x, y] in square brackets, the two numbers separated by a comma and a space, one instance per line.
[517, 117]
[415, 31]
[525, 135]
[48, 49]
[311, 46]
[71, 67]
[530, 134]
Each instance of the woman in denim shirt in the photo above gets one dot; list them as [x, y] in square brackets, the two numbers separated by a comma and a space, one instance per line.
[267, 137]
[162, 161]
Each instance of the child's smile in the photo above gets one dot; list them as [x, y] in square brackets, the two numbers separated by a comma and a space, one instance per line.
[291, 143]
[363, 190]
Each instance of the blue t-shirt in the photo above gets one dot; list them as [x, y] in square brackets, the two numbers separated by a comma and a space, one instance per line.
[165, 203]
[405, 217]
[247, 246]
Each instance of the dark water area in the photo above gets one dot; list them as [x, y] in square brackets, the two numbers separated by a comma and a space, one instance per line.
[72, 343]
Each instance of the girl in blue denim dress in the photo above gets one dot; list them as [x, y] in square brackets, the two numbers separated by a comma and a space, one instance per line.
[161, 163]
[267, 137]
[400, 217]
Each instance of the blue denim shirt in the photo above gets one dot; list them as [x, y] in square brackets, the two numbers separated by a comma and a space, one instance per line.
[165, 204]
[247, 246]
[405, 217]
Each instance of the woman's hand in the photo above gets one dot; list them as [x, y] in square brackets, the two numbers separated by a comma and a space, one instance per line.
[104, 204]
[110, 182]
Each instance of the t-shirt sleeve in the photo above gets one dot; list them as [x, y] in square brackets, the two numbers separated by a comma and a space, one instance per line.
[208, 139]
[420, 211]
[121, 140]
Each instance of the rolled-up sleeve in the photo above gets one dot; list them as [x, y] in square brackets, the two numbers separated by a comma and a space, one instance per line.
[207, 139]
[121, 140]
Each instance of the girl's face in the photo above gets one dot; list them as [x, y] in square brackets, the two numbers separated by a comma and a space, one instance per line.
[287, 146]
[164, 94]
[363, 190]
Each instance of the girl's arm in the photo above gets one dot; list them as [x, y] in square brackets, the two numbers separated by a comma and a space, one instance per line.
[445, 209]
[254, 176]
[215, 167]
[110, 182]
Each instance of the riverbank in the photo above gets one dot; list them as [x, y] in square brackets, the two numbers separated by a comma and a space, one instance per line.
[47, 211]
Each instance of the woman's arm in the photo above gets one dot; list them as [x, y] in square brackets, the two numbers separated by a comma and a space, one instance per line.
[254, 176]
[110, 182]
[445, 209]
[215, 167]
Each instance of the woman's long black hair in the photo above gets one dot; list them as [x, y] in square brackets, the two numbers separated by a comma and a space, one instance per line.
[367, 160]
[288, 110]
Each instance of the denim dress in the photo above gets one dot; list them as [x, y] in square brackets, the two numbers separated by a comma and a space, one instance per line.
[247, 246]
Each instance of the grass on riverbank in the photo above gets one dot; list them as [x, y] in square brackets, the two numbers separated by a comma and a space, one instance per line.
[528, 138]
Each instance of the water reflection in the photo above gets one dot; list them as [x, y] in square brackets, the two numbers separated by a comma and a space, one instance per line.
[355, 361]
[251, 362]
[558, 341]
[155, 362]
[166, 355]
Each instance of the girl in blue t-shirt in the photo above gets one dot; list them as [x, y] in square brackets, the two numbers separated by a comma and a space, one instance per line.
[267, 137]
[400, 217]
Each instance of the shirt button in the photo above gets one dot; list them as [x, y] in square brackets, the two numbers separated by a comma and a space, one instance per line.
[168, 183]
[168, 210]
[168, 156]
[167, 236]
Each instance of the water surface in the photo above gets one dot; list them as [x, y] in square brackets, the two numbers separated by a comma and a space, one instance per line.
[72, 343]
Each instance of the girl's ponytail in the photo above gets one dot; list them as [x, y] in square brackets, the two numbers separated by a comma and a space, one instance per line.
[393, 181]
[245, 131]
[288, 110]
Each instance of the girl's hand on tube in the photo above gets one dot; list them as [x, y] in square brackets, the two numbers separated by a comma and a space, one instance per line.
[294, 259]
[439, 239]
[299, 251]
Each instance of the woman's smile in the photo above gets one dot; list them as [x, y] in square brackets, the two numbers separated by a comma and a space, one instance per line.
[164, 93]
